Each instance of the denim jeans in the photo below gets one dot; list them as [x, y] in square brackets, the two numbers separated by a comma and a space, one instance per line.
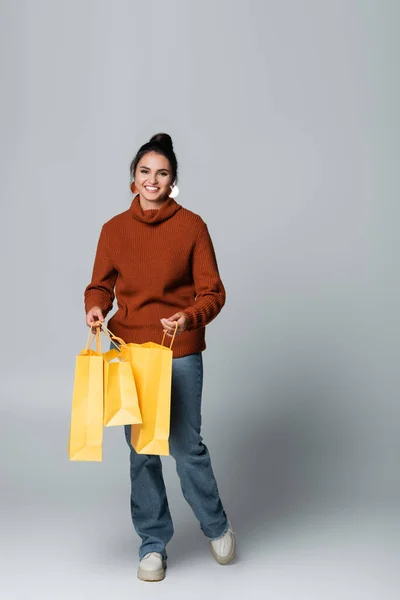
[150, 512]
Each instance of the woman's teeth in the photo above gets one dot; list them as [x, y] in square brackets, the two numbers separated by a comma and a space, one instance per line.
[151, 189]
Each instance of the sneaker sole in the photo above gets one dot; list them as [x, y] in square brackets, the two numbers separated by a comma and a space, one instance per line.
[151, 575]
[224, 560]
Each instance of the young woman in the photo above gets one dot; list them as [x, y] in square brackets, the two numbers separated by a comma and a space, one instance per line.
[161, 260]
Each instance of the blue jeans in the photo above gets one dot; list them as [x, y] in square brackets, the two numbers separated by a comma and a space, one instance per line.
[150, 512]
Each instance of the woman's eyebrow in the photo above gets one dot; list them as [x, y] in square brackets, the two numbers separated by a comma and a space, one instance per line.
[144, 167]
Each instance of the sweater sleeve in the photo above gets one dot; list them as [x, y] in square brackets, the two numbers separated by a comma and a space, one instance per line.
[100, 291]
[210, 291]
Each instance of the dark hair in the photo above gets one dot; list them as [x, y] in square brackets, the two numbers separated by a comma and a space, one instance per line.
[162, 144]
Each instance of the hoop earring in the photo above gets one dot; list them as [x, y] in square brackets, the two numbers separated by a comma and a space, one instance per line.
[174, 191]
[133, 187]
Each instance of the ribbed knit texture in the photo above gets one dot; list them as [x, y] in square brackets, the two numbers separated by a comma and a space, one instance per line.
[155, 263]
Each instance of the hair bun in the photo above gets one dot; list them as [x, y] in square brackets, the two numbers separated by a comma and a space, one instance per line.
[163, 139]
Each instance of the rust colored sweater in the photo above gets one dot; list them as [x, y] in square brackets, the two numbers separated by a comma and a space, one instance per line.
[161, 261]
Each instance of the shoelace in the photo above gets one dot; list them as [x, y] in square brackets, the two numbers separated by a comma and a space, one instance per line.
[158, 554]
[228, 530]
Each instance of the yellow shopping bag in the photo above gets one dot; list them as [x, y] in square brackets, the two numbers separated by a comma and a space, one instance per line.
[152, 370]
[121, 404]
[86, 427]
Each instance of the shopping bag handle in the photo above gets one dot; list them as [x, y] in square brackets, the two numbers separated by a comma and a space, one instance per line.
[101, 327]
[89, 341]
[109, 334]
[114, 337]
[173, 337]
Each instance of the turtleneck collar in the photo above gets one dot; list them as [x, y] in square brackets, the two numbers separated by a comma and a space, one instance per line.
[154, 215]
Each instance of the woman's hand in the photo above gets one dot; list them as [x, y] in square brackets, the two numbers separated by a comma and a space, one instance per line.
[94, 314]
[170, 324]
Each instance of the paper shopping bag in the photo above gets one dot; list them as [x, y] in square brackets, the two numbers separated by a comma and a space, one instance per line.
[121, 404]
[152, 369]
[86, 427]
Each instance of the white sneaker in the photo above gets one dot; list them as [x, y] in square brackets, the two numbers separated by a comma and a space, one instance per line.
[152, 567]
[224, 548]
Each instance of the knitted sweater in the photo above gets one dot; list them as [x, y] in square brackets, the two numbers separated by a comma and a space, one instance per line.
[161, 261]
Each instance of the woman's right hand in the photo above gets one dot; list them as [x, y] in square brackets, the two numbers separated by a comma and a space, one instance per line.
[93, 315]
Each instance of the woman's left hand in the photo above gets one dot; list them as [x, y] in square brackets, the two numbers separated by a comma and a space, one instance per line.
[170, 324]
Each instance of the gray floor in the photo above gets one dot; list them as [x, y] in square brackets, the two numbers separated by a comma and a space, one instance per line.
[86, 550]
[66, 532]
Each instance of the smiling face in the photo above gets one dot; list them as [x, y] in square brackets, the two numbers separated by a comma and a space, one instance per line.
[153, 180]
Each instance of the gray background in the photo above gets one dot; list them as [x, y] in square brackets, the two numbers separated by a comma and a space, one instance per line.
[284, 117]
